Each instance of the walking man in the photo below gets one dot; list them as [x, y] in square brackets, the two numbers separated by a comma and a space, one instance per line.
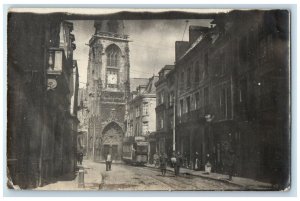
[178, 163]
[163, 163]
[156, 159]
[231, 161]
[108, 162]
[80, 158]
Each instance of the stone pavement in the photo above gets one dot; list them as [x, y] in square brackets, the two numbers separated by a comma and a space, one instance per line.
[92, 179]
[244, 183]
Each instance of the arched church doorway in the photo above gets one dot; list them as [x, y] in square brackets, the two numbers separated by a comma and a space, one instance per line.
[112, 141]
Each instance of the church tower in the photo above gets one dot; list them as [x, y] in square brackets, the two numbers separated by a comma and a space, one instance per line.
[107, 88]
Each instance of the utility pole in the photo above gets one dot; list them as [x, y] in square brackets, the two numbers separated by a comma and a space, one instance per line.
[174, 115]
[94, 134]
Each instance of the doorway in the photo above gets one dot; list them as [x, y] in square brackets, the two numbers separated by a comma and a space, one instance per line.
[115, 154]
[105, 151]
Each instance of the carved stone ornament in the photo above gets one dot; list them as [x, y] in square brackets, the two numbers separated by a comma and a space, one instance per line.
[51, 84]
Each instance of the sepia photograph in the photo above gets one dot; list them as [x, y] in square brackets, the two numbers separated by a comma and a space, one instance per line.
[148, 99]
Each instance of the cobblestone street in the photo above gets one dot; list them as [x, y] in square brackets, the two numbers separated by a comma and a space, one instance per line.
[123, 177]
[127, 177]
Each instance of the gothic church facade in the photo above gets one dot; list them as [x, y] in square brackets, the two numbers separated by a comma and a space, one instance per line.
[108, 88]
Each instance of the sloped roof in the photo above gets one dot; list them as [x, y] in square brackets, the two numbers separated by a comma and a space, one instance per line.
[135, 82]
[151, 89]
[168, 67]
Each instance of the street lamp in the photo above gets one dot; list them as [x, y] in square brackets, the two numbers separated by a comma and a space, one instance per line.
[208, 118]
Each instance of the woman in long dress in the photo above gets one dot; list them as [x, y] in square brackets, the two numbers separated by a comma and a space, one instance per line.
[197, 162]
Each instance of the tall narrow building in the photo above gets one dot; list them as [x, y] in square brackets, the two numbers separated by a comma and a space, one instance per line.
[107, 88]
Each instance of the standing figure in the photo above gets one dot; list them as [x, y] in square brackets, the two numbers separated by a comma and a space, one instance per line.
[173, 160]
[108, 162]
[178, 163]
[197, 162]
[156, 159]
[231, 161]
[80, 158]
[208, 165]
[163, 163]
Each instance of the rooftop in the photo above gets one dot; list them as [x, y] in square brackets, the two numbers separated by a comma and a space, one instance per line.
[135, 82]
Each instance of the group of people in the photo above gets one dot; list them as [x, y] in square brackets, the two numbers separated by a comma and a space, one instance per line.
[176, 162]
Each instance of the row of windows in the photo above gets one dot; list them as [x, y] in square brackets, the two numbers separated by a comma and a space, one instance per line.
[137, 111]
[164, 120]
[113, 55]
[196, 101]
[195, 73]
[200, 100]
[144, 131]
[243, 50]
[161, 98]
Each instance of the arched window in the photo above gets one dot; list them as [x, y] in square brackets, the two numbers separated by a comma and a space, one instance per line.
[113, 54]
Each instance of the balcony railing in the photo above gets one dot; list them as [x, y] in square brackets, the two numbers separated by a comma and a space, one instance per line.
[192, 116]
[118, 100]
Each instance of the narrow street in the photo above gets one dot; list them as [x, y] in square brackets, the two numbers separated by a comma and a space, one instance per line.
[206, 90]
[125, 177]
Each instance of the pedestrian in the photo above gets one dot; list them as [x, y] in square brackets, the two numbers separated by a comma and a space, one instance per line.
[108, 162]
[197, 162]
[230, 163]
[156, 159]
[178, 163]
[173, 160]
[80, 158]
[163, 163]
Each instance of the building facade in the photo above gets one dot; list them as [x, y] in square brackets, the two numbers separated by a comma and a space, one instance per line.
[232, 94]
[107, 88]
[165, 110]
[141, 118]
[82, 139]
[192, 94]
[42, 90]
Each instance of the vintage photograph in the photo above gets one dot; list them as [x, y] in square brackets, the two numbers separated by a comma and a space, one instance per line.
[148, 100]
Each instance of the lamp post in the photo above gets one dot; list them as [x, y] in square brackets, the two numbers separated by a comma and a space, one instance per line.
[208, 118]
[94, 135]
[174, 133]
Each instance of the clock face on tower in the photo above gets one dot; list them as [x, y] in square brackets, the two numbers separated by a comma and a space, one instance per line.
[112, 79]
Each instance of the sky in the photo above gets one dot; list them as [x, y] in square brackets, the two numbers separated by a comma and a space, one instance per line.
[152, 44]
